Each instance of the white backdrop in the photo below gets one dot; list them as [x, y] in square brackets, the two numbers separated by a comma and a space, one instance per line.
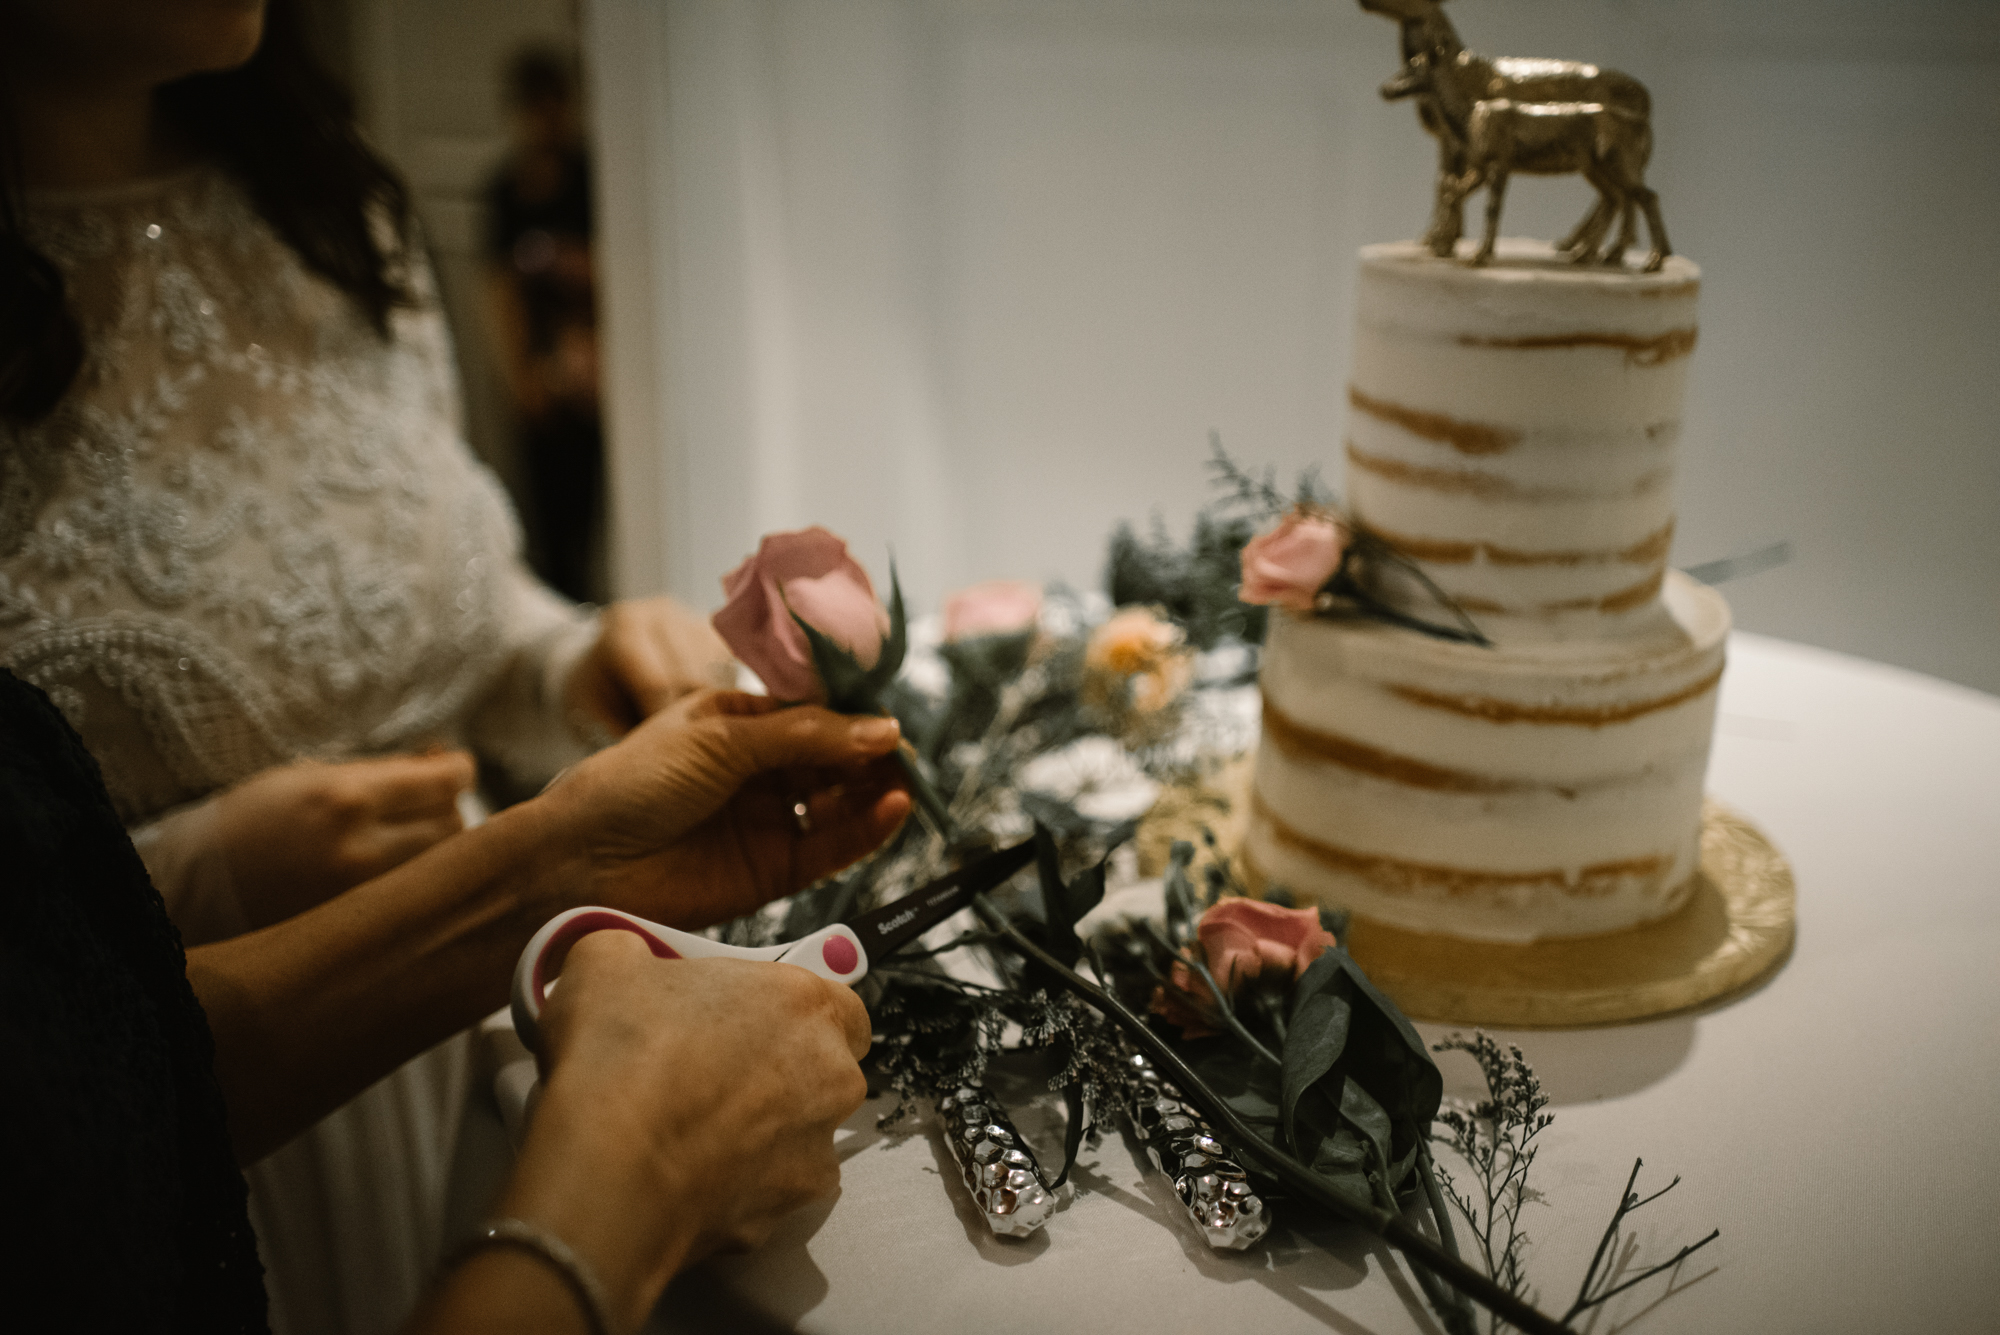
[973, 279]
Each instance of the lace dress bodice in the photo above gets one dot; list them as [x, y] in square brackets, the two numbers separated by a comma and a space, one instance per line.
[252, 531]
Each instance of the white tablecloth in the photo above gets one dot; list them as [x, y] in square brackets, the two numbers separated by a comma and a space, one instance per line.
[1837, 1124]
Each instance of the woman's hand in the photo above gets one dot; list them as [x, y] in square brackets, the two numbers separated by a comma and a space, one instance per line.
[693, 818]
[295, 836]
[687, 1107]
[649, 653]
[688, 821]
[729, 1077]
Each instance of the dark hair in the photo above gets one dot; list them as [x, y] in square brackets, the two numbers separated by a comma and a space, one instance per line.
[286, 128]
[540, 73]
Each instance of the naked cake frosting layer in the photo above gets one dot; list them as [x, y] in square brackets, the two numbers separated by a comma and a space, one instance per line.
[1513, 430]
[1508, 794]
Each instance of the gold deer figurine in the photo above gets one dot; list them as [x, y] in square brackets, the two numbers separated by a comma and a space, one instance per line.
[1494, 117]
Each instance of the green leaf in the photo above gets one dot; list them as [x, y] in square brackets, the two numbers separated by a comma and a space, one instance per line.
[851, 688]
[1073, 1133]
[1359, 1087]
[1359, 1110]
[1315, 1039]
[1249, 1087]
[895, 646]
[845, 680]
[1084, 893]
[1063, 903]
[1182, 905]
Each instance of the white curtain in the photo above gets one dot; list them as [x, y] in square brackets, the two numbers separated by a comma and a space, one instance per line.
[974, 279]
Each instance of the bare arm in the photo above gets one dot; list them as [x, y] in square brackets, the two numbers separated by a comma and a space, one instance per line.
[292, 837]
[686, 1110]
[687, 821]
[309, 1012]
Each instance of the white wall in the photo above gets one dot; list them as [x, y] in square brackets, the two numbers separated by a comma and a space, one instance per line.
[975, 278]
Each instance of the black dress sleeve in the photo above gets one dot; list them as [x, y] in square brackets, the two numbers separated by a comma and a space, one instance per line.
[129, 1211]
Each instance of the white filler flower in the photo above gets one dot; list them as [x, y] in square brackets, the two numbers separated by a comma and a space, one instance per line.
[1094, 775]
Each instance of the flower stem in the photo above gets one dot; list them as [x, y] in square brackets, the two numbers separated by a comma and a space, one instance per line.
[1295, 1175]
[1434, 1200]
[925, 795]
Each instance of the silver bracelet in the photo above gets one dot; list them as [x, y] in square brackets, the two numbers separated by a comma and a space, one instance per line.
[576, 1272]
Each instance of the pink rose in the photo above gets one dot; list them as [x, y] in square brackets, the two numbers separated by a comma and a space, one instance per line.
[808, 572]
[1246, 938]
[996, 607]
[1290, 564]
[1241, 940]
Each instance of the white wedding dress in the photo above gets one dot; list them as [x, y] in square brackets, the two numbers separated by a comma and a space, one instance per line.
[252, 532]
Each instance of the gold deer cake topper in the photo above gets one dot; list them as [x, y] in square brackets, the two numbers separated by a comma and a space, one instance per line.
[1496, 116]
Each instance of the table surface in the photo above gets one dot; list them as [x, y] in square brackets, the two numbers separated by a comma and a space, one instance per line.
[1837, 1123]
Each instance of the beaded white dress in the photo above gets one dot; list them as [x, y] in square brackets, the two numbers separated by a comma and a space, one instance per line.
[252, 532]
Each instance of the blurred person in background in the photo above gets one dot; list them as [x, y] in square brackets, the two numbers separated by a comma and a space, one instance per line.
[540, 287]
[246, 551]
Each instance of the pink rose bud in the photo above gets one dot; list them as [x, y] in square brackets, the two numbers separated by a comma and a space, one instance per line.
[1240, 940]
[996, 607]
[1289, 565]
[1243, 939]
[808, 572]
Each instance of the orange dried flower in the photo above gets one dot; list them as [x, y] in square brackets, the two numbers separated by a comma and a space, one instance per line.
[1143, 651]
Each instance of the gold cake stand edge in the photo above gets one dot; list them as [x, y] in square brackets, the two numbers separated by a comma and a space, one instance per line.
[1735, 931]
[1733, 934]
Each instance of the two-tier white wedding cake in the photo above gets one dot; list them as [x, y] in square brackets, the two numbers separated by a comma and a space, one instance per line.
[1512, 430]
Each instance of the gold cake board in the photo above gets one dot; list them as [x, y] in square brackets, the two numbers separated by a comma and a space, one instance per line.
[1735, 929]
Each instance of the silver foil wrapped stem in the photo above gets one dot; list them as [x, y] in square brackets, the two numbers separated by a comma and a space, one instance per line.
[1182, 1145]
[999, 1169]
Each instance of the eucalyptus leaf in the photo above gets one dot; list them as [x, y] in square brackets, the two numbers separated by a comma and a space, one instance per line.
[1315, 1042]
[1084, 893]
[1359, 1109]
[1048, 873]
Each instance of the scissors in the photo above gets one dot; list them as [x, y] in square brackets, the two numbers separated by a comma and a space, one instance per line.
[840, 952]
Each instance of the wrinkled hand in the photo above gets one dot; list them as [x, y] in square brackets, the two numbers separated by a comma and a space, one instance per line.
[687, 1106]
[690, 820]
[300, 834]
[649, 653]
[737, 1072]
